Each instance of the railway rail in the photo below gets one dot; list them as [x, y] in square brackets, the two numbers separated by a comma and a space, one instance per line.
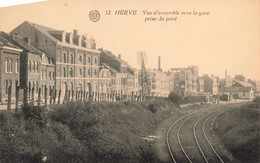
[185, 150]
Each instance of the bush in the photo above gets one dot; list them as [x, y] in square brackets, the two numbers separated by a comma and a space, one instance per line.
[175, 98]
[240, 132]
[257, 99]
[81, 132]
[152, 108]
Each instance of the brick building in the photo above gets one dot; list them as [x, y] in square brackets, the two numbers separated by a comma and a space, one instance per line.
[76, 60]
[9, 67]
[160, 83]
[186, 81]
[119, 73]
[211, 84]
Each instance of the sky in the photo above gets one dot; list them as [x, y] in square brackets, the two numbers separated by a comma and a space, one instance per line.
[228, 38]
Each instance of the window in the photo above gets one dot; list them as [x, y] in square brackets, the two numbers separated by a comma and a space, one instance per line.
[49, 90]
[37, 66]
[71, 87]
[88, 71]
[50, 75]
[64, 71]
[80, 71]
[6, 87]
[53, 77]
[80, 58]
[49, 60]
[33, 66]
[88, 59]
[37, 87]
[95, 72]
[6, 66]
[16, 66]
[10, 83]
[30, 66]
[64, 57]
[42, 90]
[33, 87]
[42, 75]
[45, 74]
[71, 58]
[95, 60]
[9, 66]
[71, 72]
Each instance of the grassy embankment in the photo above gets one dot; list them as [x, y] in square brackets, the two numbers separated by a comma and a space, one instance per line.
[82, 132]
[239, 131]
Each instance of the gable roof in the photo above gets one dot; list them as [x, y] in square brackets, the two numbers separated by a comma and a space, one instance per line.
[110, 68]
[235, 89]
[5, 42]
[44, 30]
[23, 44]
[243, 83]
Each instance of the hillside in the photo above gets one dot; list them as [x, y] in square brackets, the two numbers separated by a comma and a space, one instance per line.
[92, 132]
[240, 132]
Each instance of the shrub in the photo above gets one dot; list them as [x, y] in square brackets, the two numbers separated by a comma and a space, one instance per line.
[36, 114]
[152, 108]
[257, 99]
[175, 98]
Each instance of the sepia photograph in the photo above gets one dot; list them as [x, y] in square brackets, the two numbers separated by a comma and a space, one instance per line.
[130, 81]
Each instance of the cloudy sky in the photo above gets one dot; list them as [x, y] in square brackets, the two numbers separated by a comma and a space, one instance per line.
[228, 38]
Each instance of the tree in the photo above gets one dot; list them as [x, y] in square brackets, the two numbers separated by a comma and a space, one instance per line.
[240, 77]
[175, 98]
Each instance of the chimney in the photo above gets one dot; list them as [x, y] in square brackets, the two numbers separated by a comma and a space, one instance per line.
[84, 41]
[79, 41]
[119, 56]
[75, 32]
[27, 40]
[159, 63]
[63, 36]
[93, 44]
[69, 38]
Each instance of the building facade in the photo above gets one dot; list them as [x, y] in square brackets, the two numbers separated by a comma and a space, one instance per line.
[185, 80]
[210, 84]
[9, 67]
[75, 58]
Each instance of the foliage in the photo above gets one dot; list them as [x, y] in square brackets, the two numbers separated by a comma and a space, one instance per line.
[24, 140]
[81, 132]
[240, 77]
[240, 132]
[152, 108]
[257, 99]
[175, 98]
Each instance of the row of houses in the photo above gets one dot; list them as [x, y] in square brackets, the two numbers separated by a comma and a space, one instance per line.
[34, 56]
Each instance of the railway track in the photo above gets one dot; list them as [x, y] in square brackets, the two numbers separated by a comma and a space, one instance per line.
[190, 143]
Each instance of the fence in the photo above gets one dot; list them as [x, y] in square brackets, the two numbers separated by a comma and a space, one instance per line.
[53, 96]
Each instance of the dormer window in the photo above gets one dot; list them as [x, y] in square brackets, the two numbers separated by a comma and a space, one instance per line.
[49, 60]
